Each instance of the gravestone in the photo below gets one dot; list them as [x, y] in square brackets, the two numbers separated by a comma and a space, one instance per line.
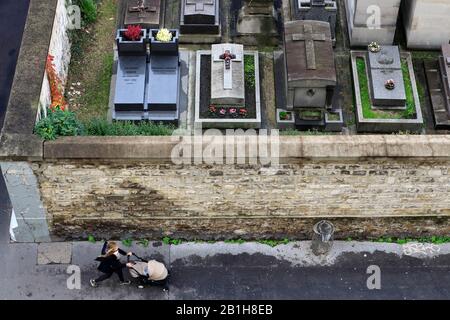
[385, 65]
[310, 66]
[227, 74]
[199, 17]
[145, 13]
[162, 89]
[130, 83]
[321, 10]
[372, 20]
[445, 73]
[427, 23]
[257, 17]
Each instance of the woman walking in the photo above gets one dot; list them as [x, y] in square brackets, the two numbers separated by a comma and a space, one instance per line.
[110, 263]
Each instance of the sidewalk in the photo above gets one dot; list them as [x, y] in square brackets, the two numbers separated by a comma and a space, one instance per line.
[231, 271]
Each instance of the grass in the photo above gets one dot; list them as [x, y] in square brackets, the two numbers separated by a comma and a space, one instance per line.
[101, 127]
[91, 64]
[249, 71]
[433, 239]
[294, 132]
[368, 112]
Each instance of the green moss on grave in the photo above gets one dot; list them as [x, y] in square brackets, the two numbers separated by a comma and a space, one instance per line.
[368, 111]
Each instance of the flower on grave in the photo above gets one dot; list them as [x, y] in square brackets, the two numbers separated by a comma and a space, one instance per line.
[133, 33]
[390, 84]
[56, 86]
[233, 112]
[243, 112]
[285, 115]
[164, 35]
[374, 47]
[222, 112]
[212, 109]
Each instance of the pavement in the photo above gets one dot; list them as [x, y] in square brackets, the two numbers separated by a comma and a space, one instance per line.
[13, 15]
[229, 271]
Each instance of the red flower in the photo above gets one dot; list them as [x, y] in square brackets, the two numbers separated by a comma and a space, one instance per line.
[133, 33]
[233, 110]
[212, 108]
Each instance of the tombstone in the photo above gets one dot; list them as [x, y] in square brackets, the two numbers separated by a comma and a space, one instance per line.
[145, 13]
[427, 23]
[130, 83]
[385, 65]
[444, 62]
[321, 10]
[227, 74]
[199, 17]
[310, 66]
[372, 20]
[257, 17]
[163, 74]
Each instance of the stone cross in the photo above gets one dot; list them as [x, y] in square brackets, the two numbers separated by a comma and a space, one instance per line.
[199, 4]
[141, 7]
[309, 37]
[227, 58]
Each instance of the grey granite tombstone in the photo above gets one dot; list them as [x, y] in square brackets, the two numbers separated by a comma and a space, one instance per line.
[383, 66]
[163, 86]
[227, 74]
[321, 10]
[372, 20]
[444, 61]
[310, 67]
[199, 17]
[145, 13]
[130, 83]
[257, 17]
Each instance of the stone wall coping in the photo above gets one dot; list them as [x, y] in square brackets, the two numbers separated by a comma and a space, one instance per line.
[290, 147]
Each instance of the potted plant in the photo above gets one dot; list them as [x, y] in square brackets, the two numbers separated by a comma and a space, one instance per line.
[132, 41]
[222, 112]
[164, 40]
[285, 116]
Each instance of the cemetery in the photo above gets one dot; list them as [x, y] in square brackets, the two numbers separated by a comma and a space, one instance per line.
[301, 66]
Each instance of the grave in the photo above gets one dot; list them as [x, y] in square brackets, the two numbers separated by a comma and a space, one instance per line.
[225, 95]
[199, 17]
[310, 71]
[130, 84]
[427, 23]
[256, 22]
[438, 78]
[386, 94]
[163, 76]
[385, 66]
[372, 20]
[321, 10]
[227, 74]
[145, 13]
[147, 86]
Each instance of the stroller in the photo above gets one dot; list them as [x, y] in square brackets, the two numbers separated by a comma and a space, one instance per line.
[148, 272]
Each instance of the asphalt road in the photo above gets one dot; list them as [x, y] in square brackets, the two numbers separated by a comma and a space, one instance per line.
[13, 15]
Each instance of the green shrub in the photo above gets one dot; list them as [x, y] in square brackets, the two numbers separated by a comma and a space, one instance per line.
[88, 10]
[101, 127]
[58, 123]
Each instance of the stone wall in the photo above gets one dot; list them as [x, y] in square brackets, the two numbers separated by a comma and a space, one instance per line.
[59, 48]
[364, 198]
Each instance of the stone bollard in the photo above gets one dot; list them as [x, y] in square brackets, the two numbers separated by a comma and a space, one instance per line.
[322, 240]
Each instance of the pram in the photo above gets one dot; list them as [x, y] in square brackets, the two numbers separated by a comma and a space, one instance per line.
[143, 270]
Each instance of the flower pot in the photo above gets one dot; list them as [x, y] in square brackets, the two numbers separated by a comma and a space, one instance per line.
[170, 47]
[131, 48]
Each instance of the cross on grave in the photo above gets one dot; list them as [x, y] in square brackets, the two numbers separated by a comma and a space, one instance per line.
[142, 8]
[309, 37]
[227, 57]
[199, 4]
